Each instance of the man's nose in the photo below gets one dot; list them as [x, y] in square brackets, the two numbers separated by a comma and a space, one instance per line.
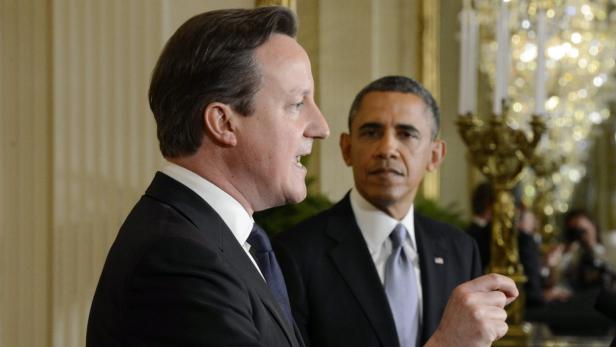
[386, 146]
[318, 127]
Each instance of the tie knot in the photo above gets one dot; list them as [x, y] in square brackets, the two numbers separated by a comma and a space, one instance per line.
[258, 239]
[397, 236]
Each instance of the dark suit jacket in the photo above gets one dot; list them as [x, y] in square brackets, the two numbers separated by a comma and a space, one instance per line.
[176, 276]
[336, 294]
[606, 304]
[482, 235]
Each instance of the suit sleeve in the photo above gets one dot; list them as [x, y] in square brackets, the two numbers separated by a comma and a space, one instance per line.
[295, 288]
[182, 293]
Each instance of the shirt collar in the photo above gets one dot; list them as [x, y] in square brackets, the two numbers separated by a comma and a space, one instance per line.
[230, 210]
[375, 225]
[482, 222]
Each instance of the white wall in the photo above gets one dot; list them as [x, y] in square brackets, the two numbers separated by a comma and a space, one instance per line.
[78, 147]
[25, 164]
[360, 40]
[104, 148]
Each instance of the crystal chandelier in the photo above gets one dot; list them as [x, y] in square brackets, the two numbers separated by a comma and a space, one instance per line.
[580, 53]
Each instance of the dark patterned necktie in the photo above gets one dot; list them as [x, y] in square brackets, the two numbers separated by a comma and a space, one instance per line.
[261, 250]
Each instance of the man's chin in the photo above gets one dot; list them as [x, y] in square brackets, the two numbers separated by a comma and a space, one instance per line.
[382, 198]
[287, 198]
[297, 196]
[290, 198]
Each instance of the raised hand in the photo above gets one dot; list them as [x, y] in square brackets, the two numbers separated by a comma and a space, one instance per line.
[475, 313]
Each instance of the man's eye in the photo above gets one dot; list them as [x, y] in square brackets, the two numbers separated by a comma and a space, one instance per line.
[298, 104]
[408, 135]
[370, 133]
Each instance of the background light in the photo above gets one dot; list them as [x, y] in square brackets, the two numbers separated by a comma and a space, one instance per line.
[580, 58]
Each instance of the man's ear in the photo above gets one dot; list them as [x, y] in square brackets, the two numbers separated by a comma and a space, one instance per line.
[438, 151]
[345, 148]
[219, 122]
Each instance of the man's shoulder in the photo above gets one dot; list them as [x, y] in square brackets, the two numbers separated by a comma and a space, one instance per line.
[156, 230]
[457, 246]
[156, 233]
[315, 228]
[152, 219]
[426, 221]
[444, 230]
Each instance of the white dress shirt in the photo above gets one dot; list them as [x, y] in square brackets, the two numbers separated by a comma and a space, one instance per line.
[376, 226]
[230, 210]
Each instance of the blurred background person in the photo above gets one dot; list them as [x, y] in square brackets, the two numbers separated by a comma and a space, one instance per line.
[481, 222]
[575, 273]
[480, 229]
[530, 256]
[585, 265]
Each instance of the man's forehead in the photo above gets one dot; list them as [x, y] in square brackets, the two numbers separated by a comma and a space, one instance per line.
[392, 108]
[279, 48]
[391, 99]
[281, 57]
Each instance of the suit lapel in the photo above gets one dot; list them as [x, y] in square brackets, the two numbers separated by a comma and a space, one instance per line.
[432, 258]
[352, 258]
[196, 210]
[298, 334]
[235, 254]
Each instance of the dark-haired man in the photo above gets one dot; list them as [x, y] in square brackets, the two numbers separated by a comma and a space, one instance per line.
[370, 271]
[480, 227]
[232, 95]
[586, 265]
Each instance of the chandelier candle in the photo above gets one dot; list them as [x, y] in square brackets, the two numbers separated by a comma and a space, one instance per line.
[540, 73]
[502, 58]
[467, 103]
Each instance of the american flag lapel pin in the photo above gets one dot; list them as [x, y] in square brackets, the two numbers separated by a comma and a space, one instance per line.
[439, 260]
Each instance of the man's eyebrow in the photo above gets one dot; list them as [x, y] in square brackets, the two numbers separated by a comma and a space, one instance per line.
[371, 125]
[300, 91]
[408, 127]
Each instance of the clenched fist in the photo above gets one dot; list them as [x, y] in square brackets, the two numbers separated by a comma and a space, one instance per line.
[475, 313]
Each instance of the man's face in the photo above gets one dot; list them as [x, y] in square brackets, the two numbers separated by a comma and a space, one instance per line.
[588, 232]
[390, 148]
[283, 125]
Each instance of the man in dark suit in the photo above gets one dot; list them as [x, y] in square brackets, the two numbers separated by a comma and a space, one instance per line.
[481, 225]
[232, 95]
[480, 229]
[370, 271]
[606, 304]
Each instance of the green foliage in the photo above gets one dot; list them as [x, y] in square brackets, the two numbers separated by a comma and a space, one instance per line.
[284, 217]
[450, 214]
[281, 218]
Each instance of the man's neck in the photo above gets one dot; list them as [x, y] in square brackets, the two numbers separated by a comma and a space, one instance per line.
[216, 175]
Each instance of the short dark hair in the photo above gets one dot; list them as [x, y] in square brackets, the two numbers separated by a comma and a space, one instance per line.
[570, 234]
[575, 213]
[400, 84]
[483, 197]
[210, 58]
